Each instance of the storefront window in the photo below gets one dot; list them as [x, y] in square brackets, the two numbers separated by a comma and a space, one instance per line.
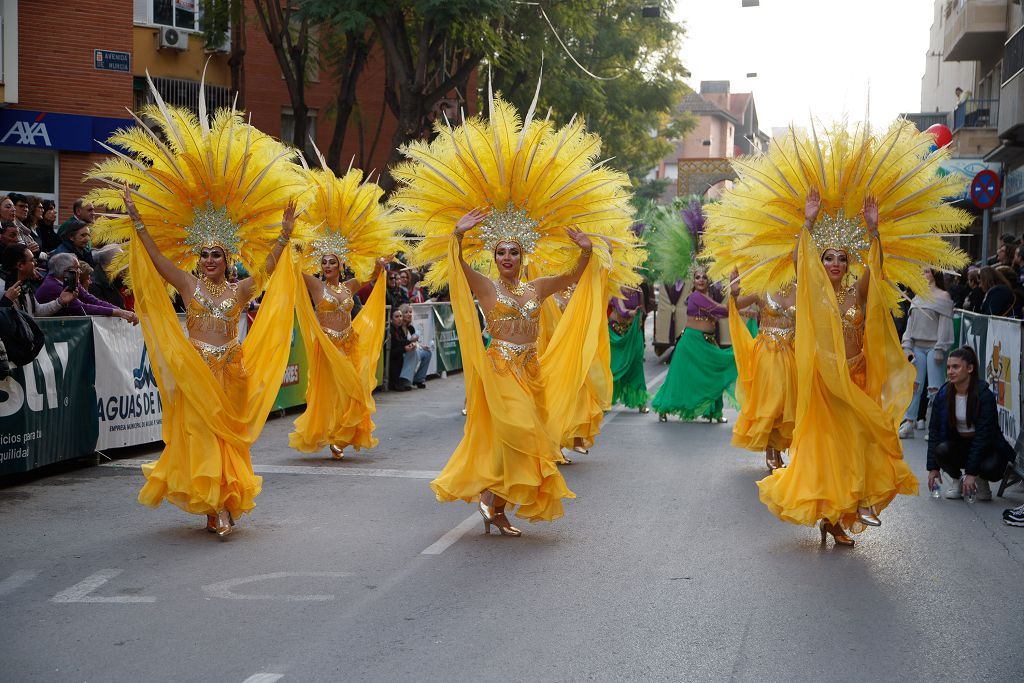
[28, 172]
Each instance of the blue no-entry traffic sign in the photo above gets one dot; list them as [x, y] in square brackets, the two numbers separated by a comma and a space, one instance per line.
[985, 189]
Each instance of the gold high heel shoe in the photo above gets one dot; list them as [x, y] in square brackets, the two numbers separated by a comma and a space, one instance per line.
[838, 535]
[870, 518]
[224, 523]
[495, 516]
[211, 523]
[581, 450]
[773, 460]
[337, 453]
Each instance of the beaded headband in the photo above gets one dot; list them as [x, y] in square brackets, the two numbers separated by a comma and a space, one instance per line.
[211, 227]
[332, 243]
[841, 234]
[509, 225]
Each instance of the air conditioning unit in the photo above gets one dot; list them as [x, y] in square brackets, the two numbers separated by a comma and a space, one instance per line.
[171, 38]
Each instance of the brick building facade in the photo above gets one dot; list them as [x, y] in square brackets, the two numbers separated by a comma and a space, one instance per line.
[57, 96]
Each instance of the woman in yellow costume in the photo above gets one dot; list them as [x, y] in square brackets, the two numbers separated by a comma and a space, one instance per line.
[840, 203]
[766, 382]
[349, 228]
[487, 194]
[207, 192]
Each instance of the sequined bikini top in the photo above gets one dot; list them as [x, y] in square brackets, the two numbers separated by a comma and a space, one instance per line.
[204, 315]
[852, 315]
[334, 309]
[776, 315]
[510, 318]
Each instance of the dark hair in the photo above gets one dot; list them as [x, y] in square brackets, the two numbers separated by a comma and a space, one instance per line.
[77, 205]
[990, 277]
[968, 356]
[49, 204]
[17, 197]
[11, 258]
[33, 204]
[940, 279]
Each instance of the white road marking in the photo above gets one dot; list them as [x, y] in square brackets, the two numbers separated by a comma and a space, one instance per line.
[16, 581]
[223, 589]
[442, 544]
[326, 470]
[80, 592]
[263, 678]
[452, 536]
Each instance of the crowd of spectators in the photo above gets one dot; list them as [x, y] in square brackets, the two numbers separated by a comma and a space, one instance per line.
[49, 270]
[995, 287]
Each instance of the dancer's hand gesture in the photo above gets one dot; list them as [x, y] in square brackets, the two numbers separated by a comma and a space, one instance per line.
[871, 216]
[812, 206]
[129, 206]
[288, 221]
[580, 238]
[470, 221]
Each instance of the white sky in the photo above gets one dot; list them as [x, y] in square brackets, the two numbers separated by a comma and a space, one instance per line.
[811, 56]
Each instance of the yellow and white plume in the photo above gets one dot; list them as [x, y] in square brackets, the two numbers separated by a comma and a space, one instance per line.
[344, 216]
[197, 181]
[755, 228]
[537, 181]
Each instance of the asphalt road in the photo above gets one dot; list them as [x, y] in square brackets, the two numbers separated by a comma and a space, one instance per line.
[666, 567]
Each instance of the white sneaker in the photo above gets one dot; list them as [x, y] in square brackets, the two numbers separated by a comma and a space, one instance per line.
[984, 490]
[907, 430]
[952, 490]
[920, 424]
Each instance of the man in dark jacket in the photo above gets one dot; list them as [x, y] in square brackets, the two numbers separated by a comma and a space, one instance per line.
[76, 243]
[970, 439]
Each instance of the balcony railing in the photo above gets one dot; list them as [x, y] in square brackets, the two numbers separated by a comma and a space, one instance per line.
[976, 114]
[1013, 56]
[925, 120]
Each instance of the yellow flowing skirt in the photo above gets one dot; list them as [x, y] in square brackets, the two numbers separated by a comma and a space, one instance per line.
[846, 450]
[765, 388]
[516, 403]
[210, 420]
[339, 394]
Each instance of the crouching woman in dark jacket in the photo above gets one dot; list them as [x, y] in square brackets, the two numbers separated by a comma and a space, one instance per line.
[964, 431]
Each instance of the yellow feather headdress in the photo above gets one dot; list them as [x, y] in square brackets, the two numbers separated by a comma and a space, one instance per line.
[197, 182]
[537, 181]
[344, 216]
[755, 227]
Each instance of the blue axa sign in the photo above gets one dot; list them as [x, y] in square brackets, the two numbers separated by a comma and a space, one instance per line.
[64, 132]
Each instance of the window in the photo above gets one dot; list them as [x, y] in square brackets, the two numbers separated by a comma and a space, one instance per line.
[28, 171]
[288, 130]
[183, 14]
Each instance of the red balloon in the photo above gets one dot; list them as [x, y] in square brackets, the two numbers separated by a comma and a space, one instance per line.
[943, 136]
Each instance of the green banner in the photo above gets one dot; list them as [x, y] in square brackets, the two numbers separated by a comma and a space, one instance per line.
[48, 408]
[446, 338]
[293, 384]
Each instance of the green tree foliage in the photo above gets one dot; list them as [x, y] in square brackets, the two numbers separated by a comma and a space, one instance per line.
[611, 39]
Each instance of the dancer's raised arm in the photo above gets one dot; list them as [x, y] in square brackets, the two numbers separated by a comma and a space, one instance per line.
[179, 279]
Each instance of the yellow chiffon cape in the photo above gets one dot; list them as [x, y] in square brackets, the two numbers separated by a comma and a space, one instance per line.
[339, 394]
[510, 442]
[595, 396]
[207, 431]
[846, 451]
[765, 388]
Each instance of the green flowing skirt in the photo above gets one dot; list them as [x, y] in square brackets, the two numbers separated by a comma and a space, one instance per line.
[630, 387]
[700, 374]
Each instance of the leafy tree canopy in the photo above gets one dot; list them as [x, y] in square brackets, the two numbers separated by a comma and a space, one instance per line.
[613, 40]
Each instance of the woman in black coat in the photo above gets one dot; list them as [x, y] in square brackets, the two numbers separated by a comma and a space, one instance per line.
[964, 431]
